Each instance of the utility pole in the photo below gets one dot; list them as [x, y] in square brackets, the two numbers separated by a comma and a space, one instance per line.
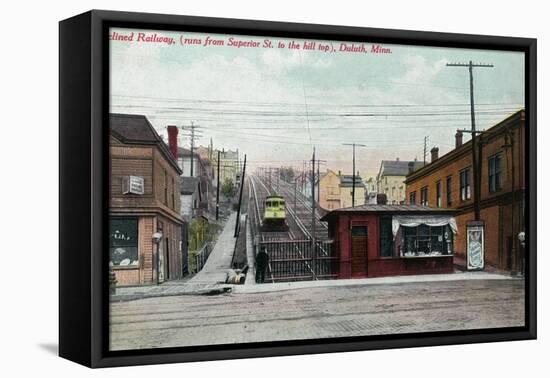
[509, 144]
[313, 198]
[318, 182]
[218, 190]
[353, 176]
[295, 196]
[238, 220]
[475, 158]
[194, 133]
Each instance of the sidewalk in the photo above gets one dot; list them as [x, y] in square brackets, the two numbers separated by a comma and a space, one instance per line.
[282, 286]
[210, 280]
[461, 264]
[219, 261]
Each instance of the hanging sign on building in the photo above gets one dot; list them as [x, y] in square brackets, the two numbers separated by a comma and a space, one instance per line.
[133, 184]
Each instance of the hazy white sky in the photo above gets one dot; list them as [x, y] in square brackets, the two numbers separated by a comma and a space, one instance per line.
[275, 104]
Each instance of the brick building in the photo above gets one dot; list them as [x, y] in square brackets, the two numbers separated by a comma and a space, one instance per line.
[145, 224]
[448, 182]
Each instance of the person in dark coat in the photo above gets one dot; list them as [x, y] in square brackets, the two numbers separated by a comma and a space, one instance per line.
[261, 264]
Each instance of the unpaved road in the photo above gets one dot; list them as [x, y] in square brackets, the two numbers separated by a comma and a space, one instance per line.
[316, 313]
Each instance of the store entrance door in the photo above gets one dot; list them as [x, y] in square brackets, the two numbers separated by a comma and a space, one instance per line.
[359, 247]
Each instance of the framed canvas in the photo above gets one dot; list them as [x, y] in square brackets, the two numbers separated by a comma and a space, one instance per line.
[236, 188]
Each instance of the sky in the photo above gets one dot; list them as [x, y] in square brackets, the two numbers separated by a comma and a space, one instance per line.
[277, 104]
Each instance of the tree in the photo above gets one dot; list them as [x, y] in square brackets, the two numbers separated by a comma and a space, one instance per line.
[228, 188]
[198, 231]
[287, 174]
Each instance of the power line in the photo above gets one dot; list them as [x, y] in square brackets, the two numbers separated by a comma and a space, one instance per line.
[286, 104]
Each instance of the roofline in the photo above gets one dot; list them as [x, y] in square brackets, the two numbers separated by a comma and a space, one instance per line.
[430, 211]
[465, 148]
[159, 142]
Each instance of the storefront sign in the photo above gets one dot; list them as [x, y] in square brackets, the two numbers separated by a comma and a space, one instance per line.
[133, 184]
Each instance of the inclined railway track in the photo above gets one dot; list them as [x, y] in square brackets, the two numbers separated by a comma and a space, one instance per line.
[293, 256]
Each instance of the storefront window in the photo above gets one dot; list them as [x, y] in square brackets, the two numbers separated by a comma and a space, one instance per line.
[123, 242]
[426, 240]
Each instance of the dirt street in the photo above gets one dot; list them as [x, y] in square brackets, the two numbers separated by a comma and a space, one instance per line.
[316, 313]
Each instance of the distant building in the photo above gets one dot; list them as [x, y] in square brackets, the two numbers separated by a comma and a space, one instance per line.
[195, 180]
[184, 162]
[335, 190]
[447, 181]
[370, 190]
[329, 191]
[205, 153]
[144, 220]
[370, 184]
[346, 189]
[189, 197]
[229, 166]
[391, 179]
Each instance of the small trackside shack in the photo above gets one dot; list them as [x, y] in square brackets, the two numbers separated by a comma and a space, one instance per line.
[386, 240]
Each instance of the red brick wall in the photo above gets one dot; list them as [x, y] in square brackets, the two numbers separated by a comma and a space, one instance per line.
[127, 277]
[494, 206]
[146, 259]
[491, 216]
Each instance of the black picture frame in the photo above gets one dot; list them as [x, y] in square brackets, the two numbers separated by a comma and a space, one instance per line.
[83, 196]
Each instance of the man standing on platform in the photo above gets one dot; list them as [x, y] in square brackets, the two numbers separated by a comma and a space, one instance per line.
[261, 264]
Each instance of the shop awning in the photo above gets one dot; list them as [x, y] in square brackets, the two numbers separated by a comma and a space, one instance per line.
[428, 220]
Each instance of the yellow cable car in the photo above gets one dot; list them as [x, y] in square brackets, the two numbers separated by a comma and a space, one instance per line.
[275, 214]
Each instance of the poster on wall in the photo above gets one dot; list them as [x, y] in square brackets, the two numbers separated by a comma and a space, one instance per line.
[475, 246]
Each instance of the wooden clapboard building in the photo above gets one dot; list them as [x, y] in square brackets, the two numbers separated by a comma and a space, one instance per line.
[145, 222]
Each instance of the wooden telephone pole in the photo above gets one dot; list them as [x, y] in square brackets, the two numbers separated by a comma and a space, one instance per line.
[476, 155]
[353, 177]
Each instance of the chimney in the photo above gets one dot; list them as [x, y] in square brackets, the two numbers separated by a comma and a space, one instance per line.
[411, 166]
[397, 158]
[339, 173]
[435, 153]
[458, 139]
[173, 140]
[381, 199]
